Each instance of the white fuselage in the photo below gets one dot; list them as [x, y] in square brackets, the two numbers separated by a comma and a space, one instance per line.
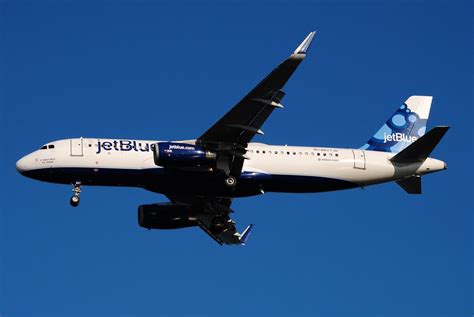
[268, 167]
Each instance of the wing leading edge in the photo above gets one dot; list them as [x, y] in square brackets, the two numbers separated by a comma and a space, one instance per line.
[229, 236]
[230, 135]
[213, 217]
[229, 138]
[245, 119]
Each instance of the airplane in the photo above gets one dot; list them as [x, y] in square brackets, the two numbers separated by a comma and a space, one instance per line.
[202, 176]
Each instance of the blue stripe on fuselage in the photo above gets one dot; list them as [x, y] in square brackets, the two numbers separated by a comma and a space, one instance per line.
[167, 180]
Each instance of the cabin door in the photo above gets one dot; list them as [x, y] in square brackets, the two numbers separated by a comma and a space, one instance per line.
[359, 159]
[77, 147]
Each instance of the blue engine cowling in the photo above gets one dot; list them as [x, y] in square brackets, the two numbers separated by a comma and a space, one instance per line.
[172, 154]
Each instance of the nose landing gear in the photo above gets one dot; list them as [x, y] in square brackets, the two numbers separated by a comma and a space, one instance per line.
[75, 199]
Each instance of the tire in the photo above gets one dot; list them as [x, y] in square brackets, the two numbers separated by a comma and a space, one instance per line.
[230, 181]
[74, 201]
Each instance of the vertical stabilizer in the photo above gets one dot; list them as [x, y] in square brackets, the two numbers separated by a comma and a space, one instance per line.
[404, 127]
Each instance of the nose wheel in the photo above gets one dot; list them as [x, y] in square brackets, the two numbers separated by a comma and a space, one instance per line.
[75, 199]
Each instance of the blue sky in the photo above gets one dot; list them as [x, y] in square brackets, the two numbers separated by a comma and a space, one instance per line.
[166, 70]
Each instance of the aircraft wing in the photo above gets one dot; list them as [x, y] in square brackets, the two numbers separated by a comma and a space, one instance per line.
[207, 210]
[231, 134]
[229, 235]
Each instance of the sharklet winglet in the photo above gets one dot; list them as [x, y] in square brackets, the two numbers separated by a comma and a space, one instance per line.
[245, 234]
[304, 46]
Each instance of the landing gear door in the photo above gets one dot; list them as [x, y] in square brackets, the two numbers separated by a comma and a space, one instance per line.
[77, 147]
[359, 159]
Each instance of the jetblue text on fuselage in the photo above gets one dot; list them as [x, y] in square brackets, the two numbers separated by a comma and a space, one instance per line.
[122, 145]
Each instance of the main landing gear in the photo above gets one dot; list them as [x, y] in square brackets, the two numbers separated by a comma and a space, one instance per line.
[230, 181]
[75, 199]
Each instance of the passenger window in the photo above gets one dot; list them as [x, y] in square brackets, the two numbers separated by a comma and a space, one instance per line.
[276, 152]
[319, 154]
[258, 151]
[324, 154]
[337, 154]
[263, 152]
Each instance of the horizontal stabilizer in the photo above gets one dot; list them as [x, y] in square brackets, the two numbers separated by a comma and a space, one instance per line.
[421, 149]
[412, 185]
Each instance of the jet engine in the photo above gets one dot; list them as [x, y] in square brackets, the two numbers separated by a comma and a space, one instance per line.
[172, 154]
[165, 216]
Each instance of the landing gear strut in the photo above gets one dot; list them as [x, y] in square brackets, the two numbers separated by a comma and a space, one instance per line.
[76, 189]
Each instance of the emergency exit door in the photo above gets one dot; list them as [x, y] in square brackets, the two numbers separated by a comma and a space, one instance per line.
[77, 147]
[359, 159]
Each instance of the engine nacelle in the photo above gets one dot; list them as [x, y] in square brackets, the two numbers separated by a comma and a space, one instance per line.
[165, 216]
[172, 154]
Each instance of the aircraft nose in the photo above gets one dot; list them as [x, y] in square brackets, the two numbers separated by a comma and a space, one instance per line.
[22, 165]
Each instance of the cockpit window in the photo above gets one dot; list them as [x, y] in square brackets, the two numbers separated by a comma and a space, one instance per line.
[47, 146]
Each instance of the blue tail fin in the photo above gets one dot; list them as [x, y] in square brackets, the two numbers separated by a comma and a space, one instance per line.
[405, 126]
